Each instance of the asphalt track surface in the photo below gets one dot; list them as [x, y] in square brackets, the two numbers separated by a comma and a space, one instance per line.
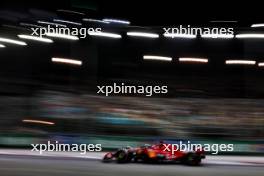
[13, 165]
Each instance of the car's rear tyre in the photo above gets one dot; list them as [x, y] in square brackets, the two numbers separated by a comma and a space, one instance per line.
[122, 157]
[192, 159]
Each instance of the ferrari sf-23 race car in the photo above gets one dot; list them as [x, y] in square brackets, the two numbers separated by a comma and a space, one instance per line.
[156, 153]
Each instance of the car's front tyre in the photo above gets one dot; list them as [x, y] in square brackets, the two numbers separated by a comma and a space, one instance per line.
[108, 157]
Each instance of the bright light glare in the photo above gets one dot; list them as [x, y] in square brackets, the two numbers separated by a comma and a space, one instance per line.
[66, 61]
[258, 25]
[2, 46]
[38, 121]
[250, 36]
[65, 21]
[220, 36]
[105, 34]
[143, 34]
[63, 36]
[40, 39]
[240, 62]
[189, 59]
[116, 21]
[261, 64]
[175, 35]
[17, 42]
[162, 58]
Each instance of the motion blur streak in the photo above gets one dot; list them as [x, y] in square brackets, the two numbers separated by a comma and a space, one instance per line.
[143, 34]
[69, 22]
[50, 23]
[261, 64]
[220, 36]
[17, 42]
[105, 34]
[40, 39]
[249, 36]
[241, 62]
[116, 21]
[187, 59]
[38, 121]
[223, 21]
[30, 25]
[62, 36]
[187, 36]
[95, 20]
[162, 58]
[66, 61]
[70, 11]
[257, 25]
[2, 46]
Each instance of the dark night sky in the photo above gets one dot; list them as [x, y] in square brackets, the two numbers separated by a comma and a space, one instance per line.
[122, 60]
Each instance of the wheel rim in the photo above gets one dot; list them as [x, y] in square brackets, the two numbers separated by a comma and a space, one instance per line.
[121, 155]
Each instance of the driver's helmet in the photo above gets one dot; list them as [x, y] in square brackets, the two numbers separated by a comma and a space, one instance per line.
[161, 144]
[128, 147]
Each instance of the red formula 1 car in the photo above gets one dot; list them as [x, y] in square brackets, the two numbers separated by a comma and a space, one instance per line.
[155, 154]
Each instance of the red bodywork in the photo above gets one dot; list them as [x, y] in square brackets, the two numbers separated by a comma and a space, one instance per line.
[156, 153]
[166, 152]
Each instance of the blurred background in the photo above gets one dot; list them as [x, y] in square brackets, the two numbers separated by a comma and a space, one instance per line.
[42, 100]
